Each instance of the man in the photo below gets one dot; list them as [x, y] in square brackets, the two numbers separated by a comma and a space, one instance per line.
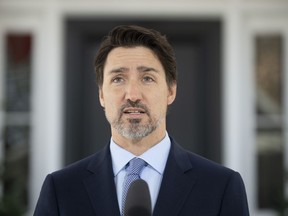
[136, 75]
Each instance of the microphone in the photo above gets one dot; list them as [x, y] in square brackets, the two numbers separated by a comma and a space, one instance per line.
[138, 201]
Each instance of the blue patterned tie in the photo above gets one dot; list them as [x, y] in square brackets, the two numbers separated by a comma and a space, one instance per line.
[133, 170]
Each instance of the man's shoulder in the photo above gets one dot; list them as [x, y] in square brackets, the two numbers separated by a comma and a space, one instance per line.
[201, 164]
[80, 167]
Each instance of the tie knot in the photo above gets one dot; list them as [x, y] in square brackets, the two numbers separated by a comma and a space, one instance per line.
[135, 166]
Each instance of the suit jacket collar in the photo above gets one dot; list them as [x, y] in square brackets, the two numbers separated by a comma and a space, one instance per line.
[100, 184]
[177, 183]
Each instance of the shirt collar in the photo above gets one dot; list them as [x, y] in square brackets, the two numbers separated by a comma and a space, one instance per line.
[156, 156]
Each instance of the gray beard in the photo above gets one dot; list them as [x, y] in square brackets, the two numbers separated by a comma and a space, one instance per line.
[135, 130]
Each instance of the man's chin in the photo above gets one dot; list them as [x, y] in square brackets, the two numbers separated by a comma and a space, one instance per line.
[134, 121]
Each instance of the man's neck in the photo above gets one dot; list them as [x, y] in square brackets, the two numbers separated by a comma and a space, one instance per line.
[138, 146]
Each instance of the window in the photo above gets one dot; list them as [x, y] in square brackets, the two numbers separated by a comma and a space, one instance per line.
[16, 129]
[270, 130]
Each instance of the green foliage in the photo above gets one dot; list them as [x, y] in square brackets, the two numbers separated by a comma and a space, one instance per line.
[12, 202]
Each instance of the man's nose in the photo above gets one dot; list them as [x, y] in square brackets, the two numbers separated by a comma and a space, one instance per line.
[133, 91]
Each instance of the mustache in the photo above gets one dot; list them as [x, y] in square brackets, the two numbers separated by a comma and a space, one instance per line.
[135, 104]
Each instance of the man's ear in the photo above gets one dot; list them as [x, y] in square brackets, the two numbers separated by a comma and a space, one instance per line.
[172, 93]
[101, 97]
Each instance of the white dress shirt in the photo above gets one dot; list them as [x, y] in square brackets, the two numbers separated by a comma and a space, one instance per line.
[156, 157]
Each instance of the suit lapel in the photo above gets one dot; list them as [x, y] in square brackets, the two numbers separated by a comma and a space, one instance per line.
[100, 184]
[177, 183]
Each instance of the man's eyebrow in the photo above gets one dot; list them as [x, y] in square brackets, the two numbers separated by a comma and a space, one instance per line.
[146, 69]
[140, 69]
[119, 70]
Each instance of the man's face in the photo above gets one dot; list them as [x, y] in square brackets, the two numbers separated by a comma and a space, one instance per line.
[135, 93]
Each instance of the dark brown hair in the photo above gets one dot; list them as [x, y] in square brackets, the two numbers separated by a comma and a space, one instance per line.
[132, 36]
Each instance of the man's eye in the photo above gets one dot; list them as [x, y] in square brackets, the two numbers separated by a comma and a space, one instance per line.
[117, 80]
[148, 79]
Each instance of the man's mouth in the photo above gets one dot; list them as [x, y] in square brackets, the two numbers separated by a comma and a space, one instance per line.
[134, 111]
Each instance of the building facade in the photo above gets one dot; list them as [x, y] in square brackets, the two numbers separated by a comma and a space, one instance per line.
[252, 77]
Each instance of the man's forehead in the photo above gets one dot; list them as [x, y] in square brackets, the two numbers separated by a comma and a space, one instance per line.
[141, 58]
[123, 51]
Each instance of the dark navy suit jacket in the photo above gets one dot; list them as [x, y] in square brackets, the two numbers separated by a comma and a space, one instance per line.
[191, 186]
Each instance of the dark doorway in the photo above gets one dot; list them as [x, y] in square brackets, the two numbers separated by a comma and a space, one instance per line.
[194, 119]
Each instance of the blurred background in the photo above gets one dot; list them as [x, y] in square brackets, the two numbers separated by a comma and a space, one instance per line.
[231, 107]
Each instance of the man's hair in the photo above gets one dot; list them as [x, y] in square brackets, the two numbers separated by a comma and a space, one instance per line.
[133, 36]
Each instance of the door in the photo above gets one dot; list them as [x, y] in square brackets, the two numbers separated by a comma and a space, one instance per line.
[194, 119]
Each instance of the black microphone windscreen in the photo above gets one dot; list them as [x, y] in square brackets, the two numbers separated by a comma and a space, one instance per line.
[138, 201]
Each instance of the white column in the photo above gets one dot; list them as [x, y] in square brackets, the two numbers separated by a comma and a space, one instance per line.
[47, 141]
[237, 100]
